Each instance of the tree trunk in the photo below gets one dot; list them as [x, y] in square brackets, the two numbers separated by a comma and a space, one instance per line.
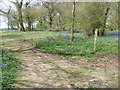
[21, 25]
[8, 22]
[28, 17]
[51, 21]
[21, 21]
[19, 9]
[95, 39]
[101, 32]
[29, 25]
[8, 17]
[51, 9]
[73, 21]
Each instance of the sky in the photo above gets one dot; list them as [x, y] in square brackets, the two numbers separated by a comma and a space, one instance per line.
[3, 23]
[4, 5]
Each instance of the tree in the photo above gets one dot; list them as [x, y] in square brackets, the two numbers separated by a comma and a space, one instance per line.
[106, 6]
[94, 15]
[73, 21]
[27, 15]
[51, 7]
[20, 16]
[30, 14]
[41, 17]
[112, 23]
[65, 14]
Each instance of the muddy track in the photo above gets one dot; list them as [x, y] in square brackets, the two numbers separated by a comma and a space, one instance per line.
[44, 70]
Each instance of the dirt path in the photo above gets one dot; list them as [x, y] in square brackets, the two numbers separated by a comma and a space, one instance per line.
[44, 70]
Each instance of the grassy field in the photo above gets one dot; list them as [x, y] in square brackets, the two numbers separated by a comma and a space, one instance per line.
[59, 42]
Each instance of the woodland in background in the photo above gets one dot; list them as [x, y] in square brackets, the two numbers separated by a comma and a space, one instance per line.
[82, 17]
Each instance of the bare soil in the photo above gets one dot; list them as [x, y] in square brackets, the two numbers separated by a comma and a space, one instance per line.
[43, 70]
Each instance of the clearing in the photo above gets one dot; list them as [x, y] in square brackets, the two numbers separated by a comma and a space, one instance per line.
[43, 70]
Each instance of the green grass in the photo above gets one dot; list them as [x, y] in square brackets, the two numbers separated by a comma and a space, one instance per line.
[89, 88]
[81, 46]
[9, 69]
[59, 42]
[26, 35]
[93, 61]
[92, 88]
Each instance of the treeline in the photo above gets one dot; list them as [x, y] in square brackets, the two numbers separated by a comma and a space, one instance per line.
[86, 17]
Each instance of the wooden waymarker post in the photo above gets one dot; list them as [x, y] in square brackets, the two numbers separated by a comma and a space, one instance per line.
[95, 39]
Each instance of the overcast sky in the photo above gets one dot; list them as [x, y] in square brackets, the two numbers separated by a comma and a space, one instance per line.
[4, 5]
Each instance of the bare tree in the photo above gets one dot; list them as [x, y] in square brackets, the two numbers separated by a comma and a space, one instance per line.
[51, 12]
[27, 14]
[20, 16]
[107, 9]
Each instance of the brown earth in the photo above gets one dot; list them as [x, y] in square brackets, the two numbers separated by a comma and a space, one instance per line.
[43, 70]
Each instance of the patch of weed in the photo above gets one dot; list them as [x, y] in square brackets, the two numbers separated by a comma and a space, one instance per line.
[9, 69]
[81, 46]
